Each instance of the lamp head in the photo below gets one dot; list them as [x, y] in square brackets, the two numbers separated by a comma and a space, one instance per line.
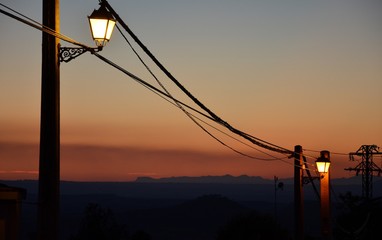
[323, 162]
[102, 24]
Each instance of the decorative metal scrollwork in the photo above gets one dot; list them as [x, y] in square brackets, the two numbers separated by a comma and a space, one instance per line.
[68, 53]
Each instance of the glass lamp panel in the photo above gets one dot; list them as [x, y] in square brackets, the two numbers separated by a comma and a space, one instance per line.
[110, 28]
[327, 167]
[322, 167]
[98, 28]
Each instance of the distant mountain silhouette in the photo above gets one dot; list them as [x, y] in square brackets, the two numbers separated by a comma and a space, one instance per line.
[243, 179]
[227, 179]
[171, 208]
[236, 188]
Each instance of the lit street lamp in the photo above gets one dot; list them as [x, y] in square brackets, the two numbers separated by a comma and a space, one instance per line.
[323, 163]
[102, 24]
[49, 160]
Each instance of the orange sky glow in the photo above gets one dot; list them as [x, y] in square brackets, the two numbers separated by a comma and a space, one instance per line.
[287, 72]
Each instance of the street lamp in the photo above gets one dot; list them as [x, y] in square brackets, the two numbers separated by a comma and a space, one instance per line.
[49, 159]
[323, 163]
[102, 24]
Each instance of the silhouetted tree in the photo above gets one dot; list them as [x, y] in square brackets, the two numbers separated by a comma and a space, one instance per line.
[100, 224]
[252, 226]
[359, 218]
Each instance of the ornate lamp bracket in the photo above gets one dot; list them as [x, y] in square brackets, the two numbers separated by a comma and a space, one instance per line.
[66, 54]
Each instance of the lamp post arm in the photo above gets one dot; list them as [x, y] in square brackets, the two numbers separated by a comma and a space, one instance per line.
[66, 54]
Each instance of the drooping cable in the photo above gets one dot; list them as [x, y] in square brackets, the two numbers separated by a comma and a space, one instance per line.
[334, 153]
[160, 84]
[191, 116]
[252, 139]
[212, 117]
[310, 178]
[152, 87]
[32, 23]
[273, 158]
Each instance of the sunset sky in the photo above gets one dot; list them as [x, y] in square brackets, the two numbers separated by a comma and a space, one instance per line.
[290, 72]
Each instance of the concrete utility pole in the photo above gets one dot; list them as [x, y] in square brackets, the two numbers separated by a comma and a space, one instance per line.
[366, 167]
[298, 194]
[49, 165]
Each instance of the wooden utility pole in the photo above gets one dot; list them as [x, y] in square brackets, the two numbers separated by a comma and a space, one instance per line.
[298, 194]
[49, 165]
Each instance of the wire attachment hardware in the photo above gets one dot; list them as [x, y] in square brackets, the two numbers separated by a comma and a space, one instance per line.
[66, 54]
[307, 180]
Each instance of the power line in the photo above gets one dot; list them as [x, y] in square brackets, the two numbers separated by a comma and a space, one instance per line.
[169, 94]
[211, 116]
[204, 129]
[310, 178]
[192, 117]
[32, 23]
[333, 153]
[178, 104]
[252, 139]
